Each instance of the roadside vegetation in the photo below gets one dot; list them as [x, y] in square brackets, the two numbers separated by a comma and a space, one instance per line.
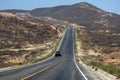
[108, 68]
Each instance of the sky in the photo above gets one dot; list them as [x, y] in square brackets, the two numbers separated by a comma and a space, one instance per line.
[107, 5]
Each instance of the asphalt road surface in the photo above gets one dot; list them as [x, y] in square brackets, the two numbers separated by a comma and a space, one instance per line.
[54, 68]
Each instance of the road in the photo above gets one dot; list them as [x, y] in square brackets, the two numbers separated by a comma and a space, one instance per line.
[54, 68]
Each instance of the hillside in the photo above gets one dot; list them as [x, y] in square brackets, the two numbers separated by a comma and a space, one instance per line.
[23, 38]
[81, 13]
[15, 30]
[99, 48]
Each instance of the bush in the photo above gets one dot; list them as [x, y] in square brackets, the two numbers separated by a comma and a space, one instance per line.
[108, 68]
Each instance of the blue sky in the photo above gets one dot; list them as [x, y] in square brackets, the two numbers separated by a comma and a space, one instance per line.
[107, 5]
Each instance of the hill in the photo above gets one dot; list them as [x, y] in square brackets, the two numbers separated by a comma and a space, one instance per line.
[23, 38]
[81, 13]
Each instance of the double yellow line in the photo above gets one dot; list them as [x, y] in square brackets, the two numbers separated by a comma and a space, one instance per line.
[45, 68]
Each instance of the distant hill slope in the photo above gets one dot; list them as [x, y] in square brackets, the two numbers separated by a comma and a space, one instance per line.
[80, 13]
[67, 12]
[14, 11]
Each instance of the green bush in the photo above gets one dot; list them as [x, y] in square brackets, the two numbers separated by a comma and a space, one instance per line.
[108, 68]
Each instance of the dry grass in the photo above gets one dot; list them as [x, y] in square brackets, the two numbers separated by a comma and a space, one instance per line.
[7, 14]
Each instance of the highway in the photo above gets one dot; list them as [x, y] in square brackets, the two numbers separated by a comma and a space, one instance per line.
[54, 68]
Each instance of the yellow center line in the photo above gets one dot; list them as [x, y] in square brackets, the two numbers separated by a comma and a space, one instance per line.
[45, 68]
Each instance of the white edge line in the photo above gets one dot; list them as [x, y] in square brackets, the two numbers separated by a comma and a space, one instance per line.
[61, 40]
[76, 62]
